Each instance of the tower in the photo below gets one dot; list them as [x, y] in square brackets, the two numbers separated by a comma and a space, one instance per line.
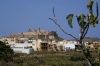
[38, 28]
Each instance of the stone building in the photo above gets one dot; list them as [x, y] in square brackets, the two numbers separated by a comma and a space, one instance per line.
[92, 45]
[36, 34]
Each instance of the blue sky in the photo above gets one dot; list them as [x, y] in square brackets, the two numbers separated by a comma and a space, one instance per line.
[20, 15]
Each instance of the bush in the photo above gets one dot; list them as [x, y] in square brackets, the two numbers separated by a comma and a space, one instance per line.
[96, 64]
[19, 61]
[77, 58]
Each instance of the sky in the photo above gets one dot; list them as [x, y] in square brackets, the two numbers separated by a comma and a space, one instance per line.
[20, 15]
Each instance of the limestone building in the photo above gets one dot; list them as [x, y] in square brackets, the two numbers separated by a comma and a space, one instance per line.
[36, 34]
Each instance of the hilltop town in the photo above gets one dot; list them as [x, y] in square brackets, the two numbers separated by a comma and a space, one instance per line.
[42, 40]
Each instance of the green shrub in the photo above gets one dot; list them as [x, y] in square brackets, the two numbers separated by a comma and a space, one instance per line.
[19, 61]
[96, 64]
[77, 58]
[52, 51]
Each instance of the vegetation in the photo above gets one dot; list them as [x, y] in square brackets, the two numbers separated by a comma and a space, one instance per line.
[6, 53]
[84, 22]
[53, 58]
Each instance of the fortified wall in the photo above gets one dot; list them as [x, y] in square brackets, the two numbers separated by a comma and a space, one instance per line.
[37, 34]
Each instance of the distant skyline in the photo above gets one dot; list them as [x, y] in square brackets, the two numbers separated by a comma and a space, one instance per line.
[20, 15]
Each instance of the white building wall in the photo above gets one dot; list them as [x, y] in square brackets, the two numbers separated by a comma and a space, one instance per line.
[69, 46]
[19, 50]
[23, 47]
[28, 51]
[23, 50]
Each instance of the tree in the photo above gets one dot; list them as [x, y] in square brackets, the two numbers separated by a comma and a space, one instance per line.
[6, 53]
[84, 22]
[99, 52]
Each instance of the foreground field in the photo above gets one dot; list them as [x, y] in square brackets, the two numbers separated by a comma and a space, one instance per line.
[52, 58]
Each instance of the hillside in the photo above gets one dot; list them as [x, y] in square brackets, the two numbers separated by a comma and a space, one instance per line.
[90, 39]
